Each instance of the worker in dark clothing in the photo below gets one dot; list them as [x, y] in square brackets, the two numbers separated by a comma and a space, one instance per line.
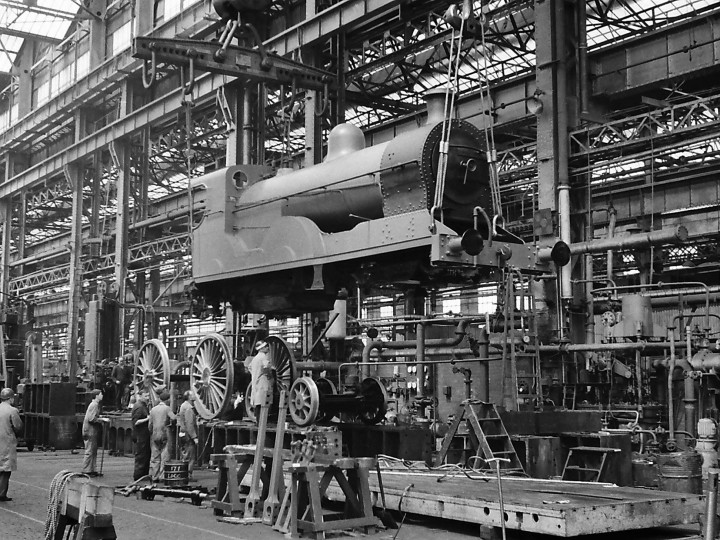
[141, 435]
[187, 430]
[121, 380]
[128, 371]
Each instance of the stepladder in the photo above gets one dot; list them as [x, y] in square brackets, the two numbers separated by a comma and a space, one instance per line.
[485, 435]
[588, 463]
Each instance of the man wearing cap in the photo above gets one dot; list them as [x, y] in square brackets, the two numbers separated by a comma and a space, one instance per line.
[10, 426]
[141, 434]
[91, 430]
[160, 418]
[187, 430]
[263, 377]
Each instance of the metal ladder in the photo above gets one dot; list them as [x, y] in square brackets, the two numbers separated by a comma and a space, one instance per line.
[487, 435]
[520, 368]
[587, 463]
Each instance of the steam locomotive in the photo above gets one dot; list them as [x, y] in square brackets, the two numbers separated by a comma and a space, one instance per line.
[288, 242]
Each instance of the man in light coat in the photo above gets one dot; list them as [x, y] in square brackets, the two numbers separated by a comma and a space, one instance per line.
[187, 431]
[263, 377]
[160, 418]
[10, 427]
[91, 431]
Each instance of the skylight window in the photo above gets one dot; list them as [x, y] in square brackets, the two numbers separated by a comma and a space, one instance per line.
[48, 22]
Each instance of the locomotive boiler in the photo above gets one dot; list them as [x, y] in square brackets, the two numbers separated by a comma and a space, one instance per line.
[288, 242]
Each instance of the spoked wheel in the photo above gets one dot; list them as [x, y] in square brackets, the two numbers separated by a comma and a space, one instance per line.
[325, 388]
[375, 400]
[304, 402]
[211, 376]
[283, 362]
[152, 369]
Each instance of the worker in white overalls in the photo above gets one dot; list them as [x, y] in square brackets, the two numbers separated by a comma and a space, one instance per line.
[263, 378]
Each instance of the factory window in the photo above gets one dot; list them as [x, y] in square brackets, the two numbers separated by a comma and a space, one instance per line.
[61, 80]
[121, 38]
[487, 300]
[451, 305]
[43, 93]
[386, 312]
[82, 67]
[172, 7]
[4, 120]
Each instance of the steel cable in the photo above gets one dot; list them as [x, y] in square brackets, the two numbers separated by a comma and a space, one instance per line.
[57, 486]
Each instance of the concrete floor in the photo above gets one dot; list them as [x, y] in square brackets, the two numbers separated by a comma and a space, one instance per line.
[24, 517]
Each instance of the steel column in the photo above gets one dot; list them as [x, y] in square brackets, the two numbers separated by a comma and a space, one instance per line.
[552, 125]
[75, 177]
[120, 152]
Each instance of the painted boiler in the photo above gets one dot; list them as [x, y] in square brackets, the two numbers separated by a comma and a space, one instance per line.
[287, 243]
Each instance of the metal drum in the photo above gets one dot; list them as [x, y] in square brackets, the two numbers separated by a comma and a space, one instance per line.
[680, 472]
[637, 316]
[175, 473]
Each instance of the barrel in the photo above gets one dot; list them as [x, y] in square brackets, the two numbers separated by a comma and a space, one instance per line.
[680, 472]
[637, 316]
[175, 473]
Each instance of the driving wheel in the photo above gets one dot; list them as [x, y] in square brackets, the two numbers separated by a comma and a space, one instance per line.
[211, 376]
[283, 362]
[375, 400]
[152, 369]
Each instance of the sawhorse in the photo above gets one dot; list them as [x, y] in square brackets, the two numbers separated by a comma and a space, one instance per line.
[311, 481]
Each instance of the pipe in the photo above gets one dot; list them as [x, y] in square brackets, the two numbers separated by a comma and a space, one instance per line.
[564, 215]
[595, 347]
[484, 371]
[590, 300]
[690, 399]
[634, 241]
[632, 431]
[408, 362]
[460, 333]
[420, 356]
[691, 316]
[711, 503]
[611, 234]
[583, 75]
[247, 126]
[638, 376]
[671, 370]
[365, 371]
[316, 366]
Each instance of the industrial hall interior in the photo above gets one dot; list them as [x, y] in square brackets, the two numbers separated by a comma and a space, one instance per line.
[387, 269]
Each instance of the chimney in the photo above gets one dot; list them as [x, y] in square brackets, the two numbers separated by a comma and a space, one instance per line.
[435, 102]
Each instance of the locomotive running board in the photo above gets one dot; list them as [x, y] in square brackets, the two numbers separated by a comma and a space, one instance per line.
[293, 242]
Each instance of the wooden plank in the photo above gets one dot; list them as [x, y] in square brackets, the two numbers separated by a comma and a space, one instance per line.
[564, 509]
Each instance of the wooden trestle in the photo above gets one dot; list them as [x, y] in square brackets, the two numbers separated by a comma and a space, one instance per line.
[551, 507]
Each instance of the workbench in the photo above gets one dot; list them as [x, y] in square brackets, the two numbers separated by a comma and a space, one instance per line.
[551, 507]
